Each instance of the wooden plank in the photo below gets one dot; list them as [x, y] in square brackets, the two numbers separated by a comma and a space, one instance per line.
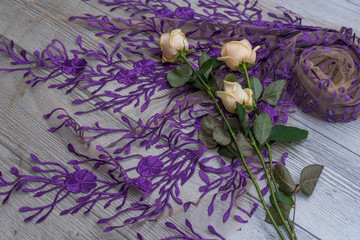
[331, 13]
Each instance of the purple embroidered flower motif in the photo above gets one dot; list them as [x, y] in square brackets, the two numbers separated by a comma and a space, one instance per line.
[150, 166]
[145, 66]
[143, 184]
[81, 181]
[126, 76]
[164, 12]
[74, 66]
[185, 13]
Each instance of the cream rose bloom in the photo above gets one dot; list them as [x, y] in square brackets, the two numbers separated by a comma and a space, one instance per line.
[171, 44]
[235, 52]
[233, 93]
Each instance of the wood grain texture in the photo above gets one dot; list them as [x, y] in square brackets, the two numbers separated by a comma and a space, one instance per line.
[332, 212]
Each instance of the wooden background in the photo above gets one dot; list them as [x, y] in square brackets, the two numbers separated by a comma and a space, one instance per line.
[333, 212]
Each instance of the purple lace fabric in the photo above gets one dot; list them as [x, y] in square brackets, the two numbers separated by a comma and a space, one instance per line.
[321, 67]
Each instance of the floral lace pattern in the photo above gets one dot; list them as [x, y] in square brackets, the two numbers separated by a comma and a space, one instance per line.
[172, 130]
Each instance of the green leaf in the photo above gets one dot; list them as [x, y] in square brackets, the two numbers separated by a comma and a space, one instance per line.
[213, 83]
[285, 211]
[281, 133]
[245, 124]
[243, 118]
[203, 58]
[273, 92]
[230, 77]
[207, 140]
[216, 63]
[221, 136]
[208, 124]
[256, 87]
[240, 111]
[179, 76]
[224, 150]
[234, 124]
[309, 177]
[247, 149]
[283, 198]
[206, 68]
[284, 179]
[197, 85]
[262, 127]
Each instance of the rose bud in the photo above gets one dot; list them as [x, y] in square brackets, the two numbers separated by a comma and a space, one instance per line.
[171, 44]
[237, 52]
[233, 93]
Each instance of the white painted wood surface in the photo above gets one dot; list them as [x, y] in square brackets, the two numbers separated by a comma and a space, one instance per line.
[333, 212]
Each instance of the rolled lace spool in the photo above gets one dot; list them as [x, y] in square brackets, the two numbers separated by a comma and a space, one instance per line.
[327, 81]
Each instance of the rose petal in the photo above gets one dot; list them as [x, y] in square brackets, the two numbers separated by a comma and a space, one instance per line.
[246, 44]
[249, 94]
[228, 100]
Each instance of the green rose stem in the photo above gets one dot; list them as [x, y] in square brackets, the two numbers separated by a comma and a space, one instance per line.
[293, 223]
[270, 183]
[276, 187]
[243, 65]
[208, 90]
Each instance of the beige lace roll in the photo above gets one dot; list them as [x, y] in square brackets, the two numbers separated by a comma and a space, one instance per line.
[329, 80]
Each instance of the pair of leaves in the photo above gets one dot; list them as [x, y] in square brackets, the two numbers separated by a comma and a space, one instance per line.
[213, 133]
[179, 76]
[271, 94]
[207, 65]
[308, 179]
[265, 131]
[182, 74]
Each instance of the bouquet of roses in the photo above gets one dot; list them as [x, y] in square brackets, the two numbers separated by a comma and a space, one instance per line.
[244, 129]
